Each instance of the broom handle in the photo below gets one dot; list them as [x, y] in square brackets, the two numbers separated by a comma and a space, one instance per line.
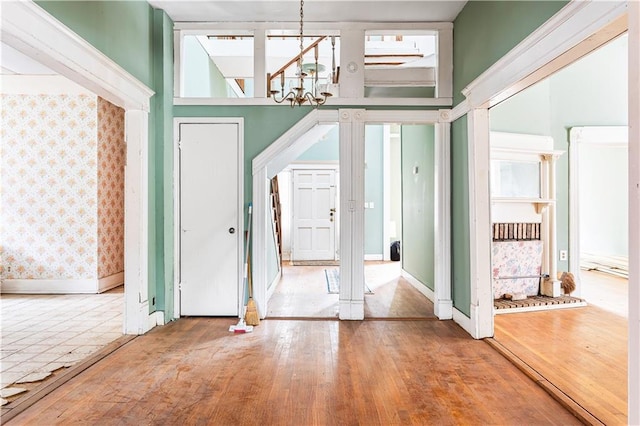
[246, 260]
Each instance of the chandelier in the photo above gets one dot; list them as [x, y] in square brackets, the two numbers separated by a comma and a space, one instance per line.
[297, 95]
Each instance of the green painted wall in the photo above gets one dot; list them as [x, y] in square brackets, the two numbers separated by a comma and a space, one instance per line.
[202, 78]
[485, 31]
[122, 30]
[460, 250]
[373, 188]
[417, 254]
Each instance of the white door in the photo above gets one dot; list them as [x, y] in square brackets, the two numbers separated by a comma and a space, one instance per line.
[209, 237]
[314, 215]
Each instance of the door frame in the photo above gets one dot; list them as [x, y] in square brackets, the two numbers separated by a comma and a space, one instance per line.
[317, 166]
[352, 121]
[239, 122]
[28, 28]
[611, 136]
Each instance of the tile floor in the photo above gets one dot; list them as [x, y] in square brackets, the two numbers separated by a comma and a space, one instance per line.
[44, 333]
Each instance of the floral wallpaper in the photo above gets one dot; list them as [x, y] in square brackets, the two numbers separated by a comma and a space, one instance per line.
[49, 187]
[110, 172]
[516, 259]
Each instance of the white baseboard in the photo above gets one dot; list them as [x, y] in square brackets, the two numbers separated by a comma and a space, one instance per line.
[156, 318]
[463, 321]
[418, 285]
[272, 287]
[351, 310]
[373, 257]
[49, 286]
[112, 281]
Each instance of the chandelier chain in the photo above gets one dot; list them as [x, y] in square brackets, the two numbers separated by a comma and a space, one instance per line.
[301, 26]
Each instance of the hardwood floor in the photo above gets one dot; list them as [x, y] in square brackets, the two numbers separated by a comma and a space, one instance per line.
[302, 293]
[581, 351]
[193, 371]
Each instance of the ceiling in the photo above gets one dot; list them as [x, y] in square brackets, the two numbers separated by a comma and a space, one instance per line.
[314, 10]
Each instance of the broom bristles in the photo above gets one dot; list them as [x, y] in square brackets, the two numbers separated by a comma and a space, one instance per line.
[251, 316]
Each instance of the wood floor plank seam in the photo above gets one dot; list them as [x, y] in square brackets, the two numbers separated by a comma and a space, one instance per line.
[565, 400]
[21, 404]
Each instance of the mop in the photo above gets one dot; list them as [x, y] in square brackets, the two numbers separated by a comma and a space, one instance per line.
[242, 327]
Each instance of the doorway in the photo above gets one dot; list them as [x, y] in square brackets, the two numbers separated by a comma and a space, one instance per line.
[209, 216]
[210, 235]
[382, 222]
[314, 214]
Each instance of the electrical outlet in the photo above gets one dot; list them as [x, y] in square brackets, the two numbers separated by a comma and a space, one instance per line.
[563, 255]
[8, 268]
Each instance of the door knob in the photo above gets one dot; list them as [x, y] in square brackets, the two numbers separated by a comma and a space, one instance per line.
[232, 230]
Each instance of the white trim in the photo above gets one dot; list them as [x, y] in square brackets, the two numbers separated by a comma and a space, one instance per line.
[386, 192]
[351, 122]
[417, 28]
[373, 257]
[418, 285]
[88, 286]
[444, 84]
[155, 318]
[574, 23]
[480, 224]
[609, 135]
[460, 110]
[463, 321]
[41, 84]
[443, 302]
[334, 102]
[69, 286]
[112, 281]
[136, 226]
[272, 287]
[633, 380]
[239, 122]
[28, 28]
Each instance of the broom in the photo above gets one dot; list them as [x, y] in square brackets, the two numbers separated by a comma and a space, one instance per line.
[242, 326]
[251, 316]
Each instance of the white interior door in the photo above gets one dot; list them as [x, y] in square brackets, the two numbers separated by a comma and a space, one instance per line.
[314, 215]
[209, 231]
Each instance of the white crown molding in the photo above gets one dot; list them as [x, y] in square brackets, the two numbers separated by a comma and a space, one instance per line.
[28, 28]
[331, 102]
[573, 24]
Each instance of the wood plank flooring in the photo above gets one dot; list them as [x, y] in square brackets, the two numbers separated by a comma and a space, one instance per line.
[582, 351]
[302, 293]
[193, 371]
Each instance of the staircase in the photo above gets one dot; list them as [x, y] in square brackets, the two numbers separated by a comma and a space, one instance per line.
[277, 215]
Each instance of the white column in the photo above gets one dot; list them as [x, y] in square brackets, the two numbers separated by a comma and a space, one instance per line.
[351, 305]
[443, 304]
[551, 286]
[259, 64]
[480, 224]
[634, 214]
[136, 224]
